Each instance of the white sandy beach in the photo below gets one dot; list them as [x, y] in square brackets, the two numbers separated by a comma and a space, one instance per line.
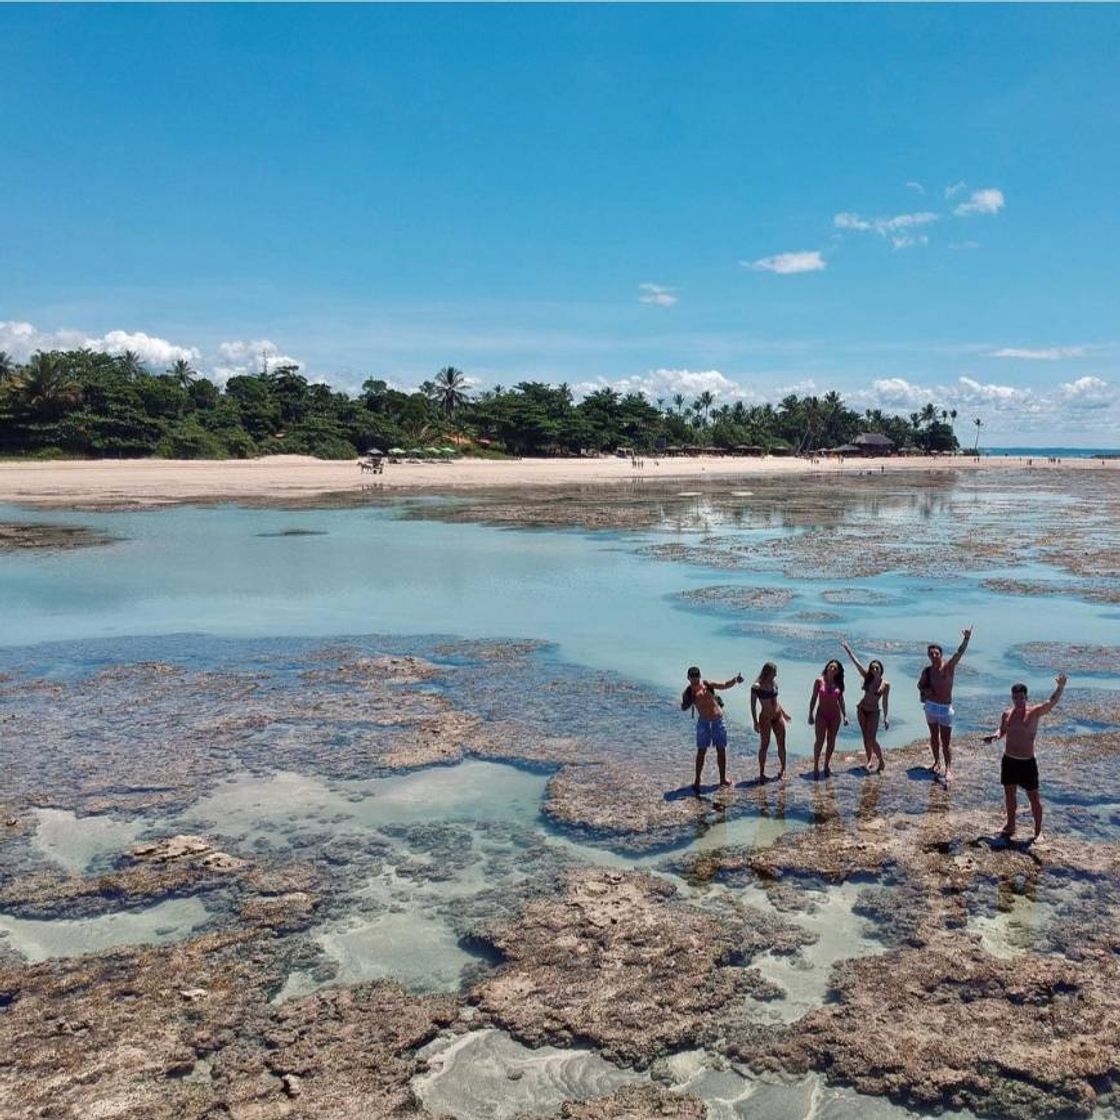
[162, 481]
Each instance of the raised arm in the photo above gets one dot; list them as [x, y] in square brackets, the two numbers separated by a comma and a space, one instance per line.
[961, 648]
[737, 679]
[855, 660]
[1052, 703]
[1002, 729]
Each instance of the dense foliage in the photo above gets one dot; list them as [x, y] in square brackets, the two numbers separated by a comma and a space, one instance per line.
[83, 403]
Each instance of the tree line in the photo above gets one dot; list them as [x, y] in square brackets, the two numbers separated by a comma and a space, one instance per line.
[92, 404]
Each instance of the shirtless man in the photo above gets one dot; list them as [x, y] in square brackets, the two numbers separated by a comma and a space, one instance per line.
[1019, 726]
[935, 686]
[701, 695]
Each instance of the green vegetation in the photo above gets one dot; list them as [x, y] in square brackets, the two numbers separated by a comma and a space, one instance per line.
[82, 403]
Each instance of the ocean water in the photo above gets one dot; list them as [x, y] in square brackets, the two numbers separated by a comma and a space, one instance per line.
[234, 572]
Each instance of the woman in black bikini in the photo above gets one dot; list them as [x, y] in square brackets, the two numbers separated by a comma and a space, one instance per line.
[875, 689]
[768, 715]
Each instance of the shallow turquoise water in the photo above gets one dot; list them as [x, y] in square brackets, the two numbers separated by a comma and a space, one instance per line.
[210, 570]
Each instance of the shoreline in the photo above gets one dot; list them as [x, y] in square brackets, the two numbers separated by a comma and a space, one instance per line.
[142, 483]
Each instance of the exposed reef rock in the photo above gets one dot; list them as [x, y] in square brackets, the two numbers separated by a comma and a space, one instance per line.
[737, 598]
[952, 1026]
[1072, 658]
[19, 536]
[188, 1032]
[616, 962]
[635, 1102]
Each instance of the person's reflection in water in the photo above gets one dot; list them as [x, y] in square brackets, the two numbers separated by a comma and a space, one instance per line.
[824, 801]
[868, 800]
[771, 800]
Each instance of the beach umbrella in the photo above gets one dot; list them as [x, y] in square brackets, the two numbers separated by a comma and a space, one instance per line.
[397, 451]
[374, 451]
[448, 451]
[431, 450]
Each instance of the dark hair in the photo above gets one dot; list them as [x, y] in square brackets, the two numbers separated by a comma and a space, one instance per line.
[693, 671]
[933, 646]
[767, 669]
[838, 676]
[1018, 686]
[872, 663]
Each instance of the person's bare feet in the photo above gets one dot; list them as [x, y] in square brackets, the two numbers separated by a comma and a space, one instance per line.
[696, 788]
[1007, 831]
[948, 776]
[816, 775]
[1036, 838]
[725, 781]
[827, 772]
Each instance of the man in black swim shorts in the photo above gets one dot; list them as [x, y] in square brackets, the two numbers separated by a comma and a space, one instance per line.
[1018, 769]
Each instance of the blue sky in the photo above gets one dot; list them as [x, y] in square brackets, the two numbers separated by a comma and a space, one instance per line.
[901, 203]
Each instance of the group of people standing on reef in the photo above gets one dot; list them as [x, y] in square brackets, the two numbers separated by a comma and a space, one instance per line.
[828, 711]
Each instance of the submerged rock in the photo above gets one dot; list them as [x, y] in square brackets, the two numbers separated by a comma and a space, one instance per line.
[18, 536]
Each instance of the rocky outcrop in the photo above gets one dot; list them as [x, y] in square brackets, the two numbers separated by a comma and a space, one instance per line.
[616, 962]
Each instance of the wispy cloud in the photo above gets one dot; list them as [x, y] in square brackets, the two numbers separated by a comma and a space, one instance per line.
[1046, 354]
[960, 245]
[786, 264]
[990, 200]
[655, 293]
[955, 188]
[902, 230]
[914, 185]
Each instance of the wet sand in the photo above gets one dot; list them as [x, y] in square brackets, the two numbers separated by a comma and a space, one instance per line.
[150, 482]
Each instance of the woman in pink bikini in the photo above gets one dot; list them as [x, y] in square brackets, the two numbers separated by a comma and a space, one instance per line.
[826, 710]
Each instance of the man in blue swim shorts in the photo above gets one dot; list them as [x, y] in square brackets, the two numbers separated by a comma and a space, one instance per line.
[700, 695]
[935, 687]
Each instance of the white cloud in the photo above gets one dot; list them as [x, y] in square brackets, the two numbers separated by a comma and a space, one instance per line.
[787, 264]
[964, 245]
[21, 340]
[914, 185]
[655, 293]
[1088, 394]
[665, 383]
[987, 201]
[1046, 354]
[899, 228]
[955, 188]
[246, 356]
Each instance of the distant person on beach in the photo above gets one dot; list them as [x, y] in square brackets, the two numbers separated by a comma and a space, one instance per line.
[826, 710]
[1018, 768]
[700, 695]
[876, 691]
[768, 715]
[935, 687]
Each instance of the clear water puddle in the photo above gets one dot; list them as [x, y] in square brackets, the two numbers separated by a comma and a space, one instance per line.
[38, 940]
[76, 843]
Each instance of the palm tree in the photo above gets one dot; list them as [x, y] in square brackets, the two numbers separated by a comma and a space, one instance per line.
[979, 424]
[928, 414]
[450, 390]
[45, 386]
[131, 363]
[678, 401]
[705, 401]
[183, 372]
[7, 365]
